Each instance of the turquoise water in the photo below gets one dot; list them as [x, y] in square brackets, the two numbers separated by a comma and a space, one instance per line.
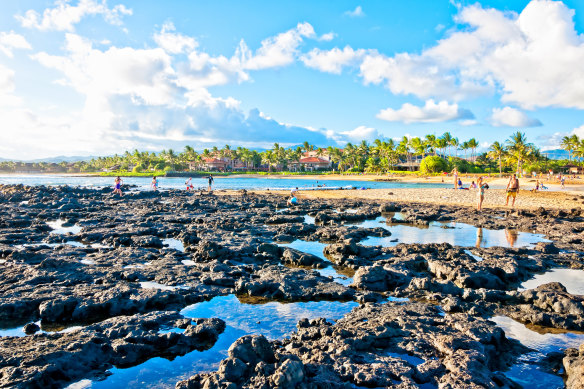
[273, 319]
[459, 234]
[526, 371]
[143, 183]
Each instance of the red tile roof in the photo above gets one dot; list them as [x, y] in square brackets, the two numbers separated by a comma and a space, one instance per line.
[313, 160]
[214, 161]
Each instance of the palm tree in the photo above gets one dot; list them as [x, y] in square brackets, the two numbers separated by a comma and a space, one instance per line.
[497, 151]
[518, 149]
[430, 141]
[473, 144]
[447, 140]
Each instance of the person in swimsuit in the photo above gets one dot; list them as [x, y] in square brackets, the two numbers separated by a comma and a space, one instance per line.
[512, 189]
[455, 175]
[210, 178]
[118, 186]
[481, 193]
[189, 184]
[154, 184]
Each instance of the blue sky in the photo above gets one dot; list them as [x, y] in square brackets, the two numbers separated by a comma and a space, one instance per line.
[96, 77]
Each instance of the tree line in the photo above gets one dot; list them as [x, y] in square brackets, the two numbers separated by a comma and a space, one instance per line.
[440, 153]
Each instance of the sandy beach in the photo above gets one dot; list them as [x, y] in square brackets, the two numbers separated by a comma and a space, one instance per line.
[494, 198]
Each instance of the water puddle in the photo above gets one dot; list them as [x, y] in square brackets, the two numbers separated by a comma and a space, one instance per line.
[411, 359]
[156, 285]
[475, 257]
[44, 329]
[86, 261]
[457, 234]
[273, 320]
[317, 249]
[174, 244]
[188, 262]
[58, 228]
[545, 340]
[309, 219]
[572, 279]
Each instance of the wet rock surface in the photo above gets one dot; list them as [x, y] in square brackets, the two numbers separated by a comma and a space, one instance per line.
[109, 272]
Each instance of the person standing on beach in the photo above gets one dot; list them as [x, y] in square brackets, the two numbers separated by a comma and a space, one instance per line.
[455, 175]
[482, 186]
[512, 189]
[210, 178]
[154, 184]
[118, 186]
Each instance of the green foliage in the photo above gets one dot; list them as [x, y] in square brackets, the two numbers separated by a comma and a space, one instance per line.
[139, 168]
[433, 164]
[462, 165]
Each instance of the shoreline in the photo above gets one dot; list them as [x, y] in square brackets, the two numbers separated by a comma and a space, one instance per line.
[494, 198]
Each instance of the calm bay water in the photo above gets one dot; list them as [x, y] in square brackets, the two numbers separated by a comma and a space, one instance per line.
[143, 183]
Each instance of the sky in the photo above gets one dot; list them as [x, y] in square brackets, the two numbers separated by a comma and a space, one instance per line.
[97, 77]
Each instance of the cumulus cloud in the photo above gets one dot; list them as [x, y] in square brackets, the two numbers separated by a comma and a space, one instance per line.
[431, 112]
[64, 16]
[511, 117]
[205, 70]
[360, 133]
[7, 97]
[533, 59]
[329, 36]
[578, 131]
[172, 42]
[11, 40]
[332, 61]
[356, 13]
[144, 98]
[277, 51]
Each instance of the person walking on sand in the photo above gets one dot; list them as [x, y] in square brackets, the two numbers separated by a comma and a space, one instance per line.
[482, 185]
[154, 184]
[512, 189]
[455, 175]
[118, 186]
[210, 178]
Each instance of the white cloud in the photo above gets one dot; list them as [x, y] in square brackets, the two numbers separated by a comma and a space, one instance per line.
[360, 133]
[142, 98]
[356, 13]
[332, 61]
[511, 117]
[578, 131]
[431, 112]
[11, 40]
[329, 36]
[7, 87]
[64, 16]
[277, 51]
[533, 59]
[172, 42]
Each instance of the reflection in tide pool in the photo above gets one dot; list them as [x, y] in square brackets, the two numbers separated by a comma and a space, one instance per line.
[58, 228]
[272, 319]
[572, 279]
[459, 234]
[173, 243]
[526, 372]
[317, 249]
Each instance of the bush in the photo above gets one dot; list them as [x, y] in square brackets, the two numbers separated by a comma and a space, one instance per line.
[433, 164]
[138, 168]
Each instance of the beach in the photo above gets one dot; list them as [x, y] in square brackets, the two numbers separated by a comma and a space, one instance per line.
[494, 198]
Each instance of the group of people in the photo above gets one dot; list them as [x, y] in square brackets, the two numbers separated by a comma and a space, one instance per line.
[481, 185]
[118, 182]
